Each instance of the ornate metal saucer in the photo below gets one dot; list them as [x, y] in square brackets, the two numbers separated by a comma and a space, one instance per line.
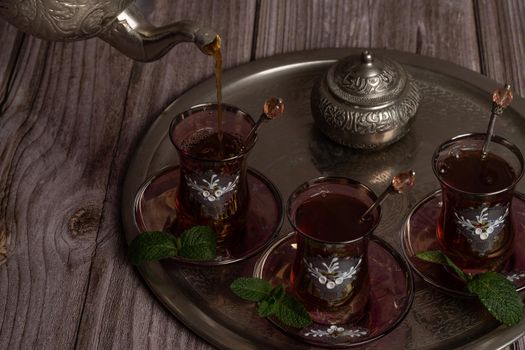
[391, 294]
[155, 211]
[419, 234]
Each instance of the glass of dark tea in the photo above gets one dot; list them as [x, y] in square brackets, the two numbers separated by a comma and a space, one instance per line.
[475, 228]
[330, 270]
[213, 155]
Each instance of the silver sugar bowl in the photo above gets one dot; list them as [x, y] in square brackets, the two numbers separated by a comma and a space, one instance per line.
[365, 102]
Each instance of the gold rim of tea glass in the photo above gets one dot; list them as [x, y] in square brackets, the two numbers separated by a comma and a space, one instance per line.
[213, 107]
[331, 180]
[479, 137]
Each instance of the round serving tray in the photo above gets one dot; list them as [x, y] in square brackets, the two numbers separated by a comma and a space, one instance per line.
[290, 151]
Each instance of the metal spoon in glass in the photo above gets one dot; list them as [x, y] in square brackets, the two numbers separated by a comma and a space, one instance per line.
[501, 99]
[272, 109]
[401, 183]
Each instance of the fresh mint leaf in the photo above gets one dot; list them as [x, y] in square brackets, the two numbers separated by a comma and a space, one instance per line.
[495, 292]
[265, 308]
[438, 257]
[273, 301]
[153, 245]
[291, 312]
[252, 289]
[198, 243]
[498, 295]
[277, 292]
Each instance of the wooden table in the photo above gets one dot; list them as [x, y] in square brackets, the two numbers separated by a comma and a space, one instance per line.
[72, 113]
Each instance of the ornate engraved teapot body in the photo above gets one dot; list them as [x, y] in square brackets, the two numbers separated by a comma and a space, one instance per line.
[119, 22]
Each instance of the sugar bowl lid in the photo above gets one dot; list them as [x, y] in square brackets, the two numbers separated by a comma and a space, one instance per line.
[365, 101]
[366, 81]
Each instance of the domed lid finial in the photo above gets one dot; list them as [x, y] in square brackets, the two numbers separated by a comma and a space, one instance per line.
[366, 57]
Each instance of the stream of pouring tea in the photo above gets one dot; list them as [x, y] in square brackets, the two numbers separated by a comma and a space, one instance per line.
[214, 49]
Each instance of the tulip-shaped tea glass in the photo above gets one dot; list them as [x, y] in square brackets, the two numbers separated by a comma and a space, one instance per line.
[213, 187]
[330, 271]
[474, 228]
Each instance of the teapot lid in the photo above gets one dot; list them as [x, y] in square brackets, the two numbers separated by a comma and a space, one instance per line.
[365, 80]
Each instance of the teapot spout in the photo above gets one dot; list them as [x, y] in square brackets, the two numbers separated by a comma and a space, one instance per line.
[138, 39]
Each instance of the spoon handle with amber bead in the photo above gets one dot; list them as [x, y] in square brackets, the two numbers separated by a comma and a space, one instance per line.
[401, 183]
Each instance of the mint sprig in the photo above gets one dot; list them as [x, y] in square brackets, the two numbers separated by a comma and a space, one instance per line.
[198, 243]
[498, 295]
[437, 257]
[251, 289]
[272, 301]
[495, 292]
[152, 246]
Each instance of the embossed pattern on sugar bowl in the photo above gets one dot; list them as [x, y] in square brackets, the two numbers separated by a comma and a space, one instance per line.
[365, 102]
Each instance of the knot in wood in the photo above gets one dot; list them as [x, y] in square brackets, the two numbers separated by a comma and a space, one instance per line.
[84, 221]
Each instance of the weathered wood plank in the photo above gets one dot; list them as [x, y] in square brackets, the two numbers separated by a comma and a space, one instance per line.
[11, 41]
[294, 25]
[120, 312]
[58, 135]
[443, 29]
[517, 345]
[502, 30]
[76, 111]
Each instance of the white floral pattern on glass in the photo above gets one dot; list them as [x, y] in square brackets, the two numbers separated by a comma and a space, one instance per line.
[482, 226]
[336, 331]
[211, 190]
[515, 276]
[330, 275]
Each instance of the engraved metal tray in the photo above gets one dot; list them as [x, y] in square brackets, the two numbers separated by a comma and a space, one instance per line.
[290, 151]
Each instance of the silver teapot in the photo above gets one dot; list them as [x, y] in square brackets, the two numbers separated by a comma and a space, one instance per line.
[119, 22]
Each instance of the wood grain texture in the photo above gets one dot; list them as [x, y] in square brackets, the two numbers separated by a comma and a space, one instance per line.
[501, 34]
[294, 25]
[442, 29]
[58, 135]
[120, 312]
[75, 112]
[517, 345]
[11, 40]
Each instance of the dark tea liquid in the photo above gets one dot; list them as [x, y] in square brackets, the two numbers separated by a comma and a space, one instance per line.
[213, 193]
[468, 172]
[468, 229]
[206, 143]
[332, 217]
